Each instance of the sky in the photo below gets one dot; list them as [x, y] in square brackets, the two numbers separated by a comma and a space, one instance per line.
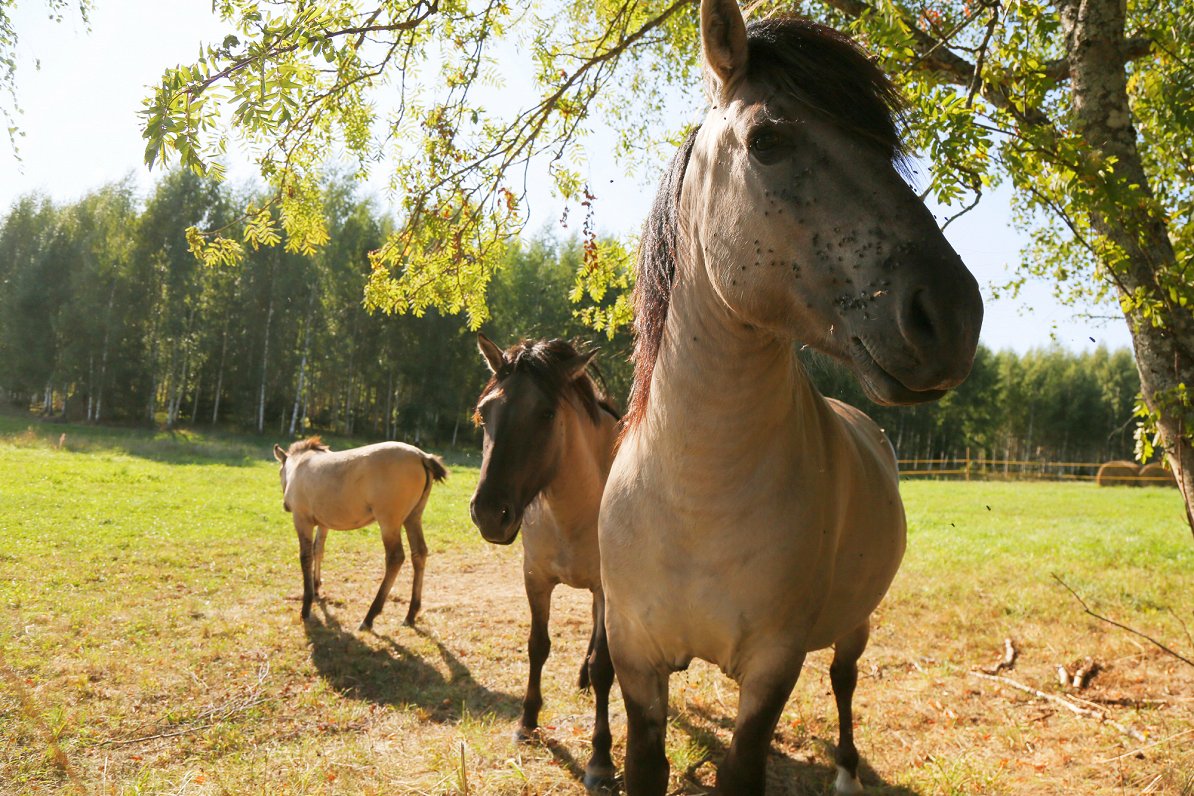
[81, 131]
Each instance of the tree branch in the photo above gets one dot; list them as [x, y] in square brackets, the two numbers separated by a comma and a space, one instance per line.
[1132, 630]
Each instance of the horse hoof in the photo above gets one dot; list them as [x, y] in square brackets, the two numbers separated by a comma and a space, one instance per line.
[409, 621]
[525, 734]
[846, 784]
[601, 779]
[365, 627]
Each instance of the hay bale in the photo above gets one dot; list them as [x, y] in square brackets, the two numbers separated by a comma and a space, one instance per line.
[1119, 473]
[1156, 474]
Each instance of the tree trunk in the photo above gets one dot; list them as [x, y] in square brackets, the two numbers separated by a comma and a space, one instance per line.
[390, 430]
[103, 369]
[178, 393]
[1094, 33]
[195, 400]
[215, 409]
[298, 393]
[90, 386]
[269, 317]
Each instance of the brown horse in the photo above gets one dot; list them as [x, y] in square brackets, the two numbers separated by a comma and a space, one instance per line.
[747, 520]
[549, 440]
[344, 490]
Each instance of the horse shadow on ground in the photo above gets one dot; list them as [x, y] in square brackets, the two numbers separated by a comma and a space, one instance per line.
[786, 775]
[394, 675]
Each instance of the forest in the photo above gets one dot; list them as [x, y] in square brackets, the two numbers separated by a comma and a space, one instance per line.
[107, 317]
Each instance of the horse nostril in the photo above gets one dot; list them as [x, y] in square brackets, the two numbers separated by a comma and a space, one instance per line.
[918, 319]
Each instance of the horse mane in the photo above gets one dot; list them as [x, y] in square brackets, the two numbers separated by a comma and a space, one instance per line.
[545, 362]
[308, 444]
[822, 68]
[828, 72]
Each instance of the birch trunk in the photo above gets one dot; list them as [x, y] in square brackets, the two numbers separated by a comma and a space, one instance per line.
[298, 393]
[269, 318]
[1094, 34]
[215, 409]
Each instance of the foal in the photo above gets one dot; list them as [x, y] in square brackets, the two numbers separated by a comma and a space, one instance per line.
[344, 490]
[747, 520]
[549, 441]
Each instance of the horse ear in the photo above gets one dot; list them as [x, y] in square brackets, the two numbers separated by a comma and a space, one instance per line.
[491, 352]
[580, 363]
[723, 39]
[279, 454]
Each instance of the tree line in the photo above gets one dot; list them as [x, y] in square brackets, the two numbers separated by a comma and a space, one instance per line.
[107, 317]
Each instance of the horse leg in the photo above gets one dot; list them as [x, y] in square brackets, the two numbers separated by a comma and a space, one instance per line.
[599, 772]
[391, 537]
[644, 690]
[321, 534]
[843, 675]
[418, 558]
[305, 532]
[538, 648]
[763, 694]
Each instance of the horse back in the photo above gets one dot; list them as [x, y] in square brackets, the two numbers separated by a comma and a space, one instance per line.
[352, 488]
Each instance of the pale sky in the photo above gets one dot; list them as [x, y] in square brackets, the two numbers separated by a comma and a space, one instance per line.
[82, 131]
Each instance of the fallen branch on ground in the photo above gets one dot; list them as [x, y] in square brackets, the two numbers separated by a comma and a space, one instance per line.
[1065, 703]
[206, 718]
[1010, 653]
[1138, 750]
[1144, 636]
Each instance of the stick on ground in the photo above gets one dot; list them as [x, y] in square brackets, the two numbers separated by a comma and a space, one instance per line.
[1065, 703]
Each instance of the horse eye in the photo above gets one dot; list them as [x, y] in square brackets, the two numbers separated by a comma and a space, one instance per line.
[549, 414]
[766, 144]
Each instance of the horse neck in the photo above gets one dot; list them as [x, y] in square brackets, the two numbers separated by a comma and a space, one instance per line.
[574, 494]
[721, 385]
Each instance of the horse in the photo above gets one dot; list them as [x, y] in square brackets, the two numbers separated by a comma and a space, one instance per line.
[747, 520]
[549, 436]
[388, 482]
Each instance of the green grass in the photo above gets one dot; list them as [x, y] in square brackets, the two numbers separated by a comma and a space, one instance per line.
[151, 641]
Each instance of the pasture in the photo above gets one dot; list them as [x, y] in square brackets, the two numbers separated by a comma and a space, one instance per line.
[150, 642]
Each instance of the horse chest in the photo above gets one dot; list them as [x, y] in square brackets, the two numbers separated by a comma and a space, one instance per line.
[715, 568]
[709, 579]
[560, 552]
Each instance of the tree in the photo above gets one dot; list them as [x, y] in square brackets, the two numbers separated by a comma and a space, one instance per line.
[1084, 106]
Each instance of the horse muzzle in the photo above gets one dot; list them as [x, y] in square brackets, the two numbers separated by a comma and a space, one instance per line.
[926, 344]
[497, 520]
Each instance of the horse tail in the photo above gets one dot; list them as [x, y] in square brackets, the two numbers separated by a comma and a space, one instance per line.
[434, 466]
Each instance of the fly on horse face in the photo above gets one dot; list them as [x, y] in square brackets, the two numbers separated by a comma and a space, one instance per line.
[747, 520]
[344, 490]
[549, 442]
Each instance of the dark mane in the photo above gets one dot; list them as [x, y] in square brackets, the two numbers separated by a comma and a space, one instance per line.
[826, 71]
[656, 271]
[545, 362]
[308, 444]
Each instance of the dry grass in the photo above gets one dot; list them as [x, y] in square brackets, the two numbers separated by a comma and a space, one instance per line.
[152, 644]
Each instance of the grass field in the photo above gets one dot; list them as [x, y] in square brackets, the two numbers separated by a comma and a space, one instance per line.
[151, 643]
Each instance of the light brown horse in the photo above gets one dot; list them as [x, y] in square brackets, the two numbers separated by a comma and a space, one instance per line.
[344, 490]
[747, 520]
[549, 440]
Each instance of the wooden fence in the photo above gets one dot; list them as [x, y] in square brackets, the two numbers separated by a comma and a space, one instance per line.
[968, 468]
